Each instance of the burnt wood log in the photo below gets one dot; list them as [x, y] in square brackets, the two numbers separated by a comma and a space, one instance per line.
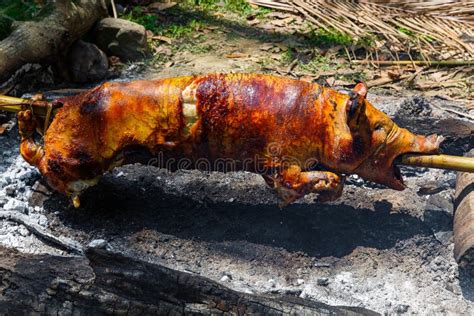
[103, 282]
[45, 40]
[463, 223]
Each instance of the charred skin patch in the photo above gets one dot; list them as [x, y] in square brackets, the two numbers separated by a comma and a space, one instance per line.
[92, 102]
[212, 96]
[55, 167]
[84, 164]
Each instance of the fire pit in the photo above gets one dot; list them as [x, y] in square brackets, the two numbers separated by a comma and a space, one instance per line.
[375, 248]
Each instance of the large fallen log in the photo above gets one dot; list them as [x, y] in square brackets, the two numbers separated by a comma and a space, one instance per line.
[45, 40]
[108, 283]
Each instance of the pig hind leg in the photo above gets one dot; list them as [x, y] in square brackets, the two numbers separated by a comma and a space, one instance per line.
[292, 184]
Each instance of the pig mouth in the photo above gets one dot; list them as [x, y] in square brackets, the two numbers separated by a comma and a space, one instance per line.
[397, 174]
[383, 165]
[394, 175]
[431, 146]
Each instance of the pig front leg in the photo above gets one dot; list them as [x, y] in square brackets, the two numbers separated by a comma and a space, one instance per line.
[32, 152]
[292, 184]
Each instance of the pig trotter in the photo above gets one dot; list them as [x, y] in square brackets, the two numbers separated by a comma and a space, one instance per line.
[292, 184]
[31, 152]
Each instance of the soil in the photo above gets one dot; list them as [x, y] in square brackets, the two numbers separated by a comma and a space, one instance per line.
[388, 251]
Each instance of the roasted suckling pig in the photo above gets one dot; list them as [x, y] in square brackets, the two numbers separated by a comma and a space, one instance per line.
[300, 136]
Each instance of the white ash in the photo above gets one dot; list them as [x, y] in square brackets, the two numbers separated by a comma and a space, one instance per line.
[14, 195]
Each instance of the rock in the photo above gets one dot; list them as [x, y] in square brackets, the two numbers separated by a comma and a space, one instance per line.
[8, 179]
[322, 281]
[87, 63]
[271, 283]
[122, 38]
[15, 205]
[23, 231]
[226, 278]
[98, 243]
[402, 308]
[417, 106]
[3, 183]
[42, 220]
[10, 190]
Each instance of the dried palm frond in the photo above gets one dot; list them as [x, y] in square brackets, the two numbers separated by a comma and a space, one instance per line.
[429, 26]
[461, 10]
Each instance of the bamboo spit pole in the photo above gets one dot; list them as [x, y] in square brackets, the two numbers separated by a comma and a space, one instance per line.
[451, 63]
[40, 108]
[456, 163]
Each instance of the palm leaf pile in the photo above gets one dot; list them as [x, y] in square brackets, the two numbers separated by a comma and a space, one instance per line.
[436, 29]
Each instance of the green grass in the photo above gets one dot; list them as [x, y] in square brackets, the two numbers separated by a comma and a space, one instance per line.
[415, 36]
[235, 6]
[181, 29]
[405, 31]
[322, 37]
[16, 10]
[150, 22]
[196, 48]
[317, 64]
[19, 10]
[288, 56]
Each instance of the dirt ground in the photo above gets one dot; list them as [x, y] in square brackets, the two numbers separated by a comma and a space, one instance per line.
[388, 251]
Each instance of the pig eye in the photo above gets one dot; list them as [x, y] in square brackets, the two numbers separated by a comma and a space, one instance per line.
[379, 126]
[354, 103]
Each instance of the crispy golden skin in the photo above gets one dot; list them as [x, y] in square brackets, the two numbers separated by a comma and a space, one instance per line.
[301, 136]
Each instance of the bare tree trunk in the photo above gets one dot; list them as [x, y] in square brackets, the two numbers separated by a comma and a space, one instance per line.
[108, 283]
[45, 40]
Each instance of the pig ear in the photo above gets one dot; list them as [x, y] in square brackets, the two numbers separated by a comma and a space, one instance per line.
[356, 97]
[361, 89]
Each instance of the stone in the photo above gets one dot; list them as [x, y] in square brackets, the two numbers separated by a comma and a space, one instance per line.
[98, 243]
[3, 183]
[87, 63]
[10, 190]
[15, 205]
[124, 39]
[271, 283]
[402, 308]
[323, 281]
[23, 231]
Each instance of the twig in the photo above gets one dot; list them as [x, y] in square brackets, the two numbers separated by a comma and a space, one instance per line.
[418, 71]
[417, 62]
[114, 9]
[460, 114]
[465, 115]
[385, 80]
[347, 53]
[292, 66]
[38, 231]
